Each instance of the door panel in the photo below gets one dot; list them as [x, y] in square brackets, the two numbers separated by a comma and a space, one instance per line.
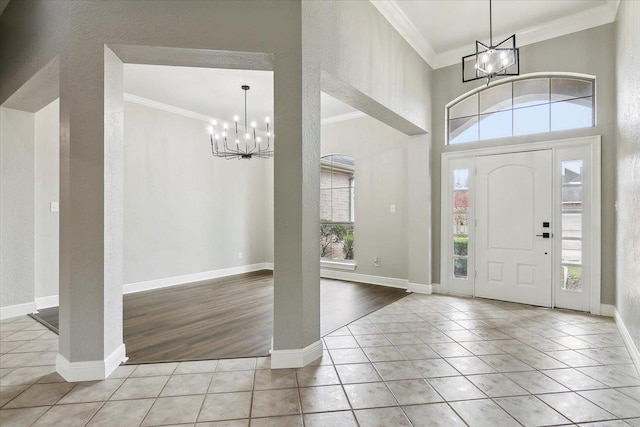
[514, 198]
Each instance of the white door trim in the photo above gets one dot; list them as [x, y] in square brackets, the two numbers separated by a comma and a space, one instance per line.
[595, 226]
[593, 142]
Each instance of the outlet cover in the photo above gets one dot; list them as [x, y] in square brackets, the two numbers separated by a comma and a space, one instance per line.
[55, 207]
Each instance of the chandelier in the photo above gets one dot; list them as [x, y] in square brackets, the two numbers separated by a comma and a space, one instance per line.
[493, 60]
[244, 144]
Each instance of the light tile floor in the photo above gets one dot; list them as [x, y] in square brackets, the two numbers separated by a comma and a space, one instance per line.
[425, 360]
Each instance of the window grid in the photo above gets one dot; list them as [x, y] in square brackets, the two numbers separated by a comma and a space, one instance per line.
[337, 191]
[550, 102]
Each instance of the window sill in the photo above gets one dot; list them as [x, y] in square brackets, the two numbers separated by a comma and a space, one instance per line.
[338, 265]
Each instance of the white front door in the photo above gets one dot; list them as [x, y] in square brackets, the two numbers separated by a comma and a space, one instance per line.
[513, 203]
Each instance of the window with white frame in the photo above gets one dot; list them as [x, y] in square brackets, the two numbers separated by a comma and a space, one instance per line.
[529, 105]
[337, 211]
[460, 212]
[572, 186]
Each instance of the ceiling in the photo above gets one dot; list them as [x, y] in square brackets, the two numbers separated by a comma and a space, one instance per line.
[442, 31]
[213, 92]
[210, 92]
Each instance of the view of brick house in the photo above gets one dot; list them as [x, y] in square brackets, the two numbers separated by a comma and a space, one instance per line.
[337, 184]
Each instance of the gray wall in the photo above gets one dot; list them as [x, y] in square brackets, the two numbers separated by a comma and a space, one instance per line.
[17, 179]
[358, 46]
[184, 211]
[373, 69]
[34, 32]
[589, 52]
[47, 190]
[628, 144]
[350, 40]
[419, 210]
[380, 154]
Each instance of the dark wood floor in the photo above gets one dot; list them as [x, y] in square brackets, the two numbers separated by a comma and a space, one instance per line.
[225, 318]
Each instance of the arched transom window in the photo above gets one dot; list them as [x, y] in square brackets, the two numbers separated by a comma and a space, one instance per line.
[526, 105]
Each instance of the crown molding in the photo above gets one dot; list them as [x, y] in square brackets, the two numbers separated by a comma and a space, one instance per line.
[166, 107]
[342, 117]
[593, 17]
[403, 25]
[202, 117]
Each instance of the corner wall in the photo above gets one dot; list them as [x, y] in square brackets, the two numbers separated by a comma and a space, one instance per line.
[628, 168]
[17, 180]
[381, 155]
[185, 211]
[358, 46]
[47, 190]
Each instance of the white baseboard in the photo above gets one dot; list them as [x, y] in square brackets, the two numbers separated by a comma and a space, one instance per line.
[364, 278]
[130, 288]
[296, 358]
[148, 285]
[338, 265]
[419, 288]
[436, 288]
[46, 302]
[632, 347]
[607, 310]
[17, 310]
[90, 370]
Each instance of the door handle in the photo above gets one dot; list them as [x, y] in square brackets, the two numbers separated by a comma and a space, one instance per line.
[544, 235]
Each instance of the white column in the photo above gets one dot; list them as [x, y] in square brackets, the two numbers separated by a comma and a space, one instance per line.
[91, 156]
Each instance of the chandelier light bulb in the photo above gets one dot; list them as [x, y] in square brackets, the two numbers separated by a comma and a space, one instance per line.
[503, 55]
[505, 62]
[485, 57]
[246, 148]
[489, 68]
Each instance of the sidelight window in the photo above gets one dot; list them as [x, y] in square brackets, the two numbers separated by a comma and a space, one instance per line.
[572, 190]
[460, 214]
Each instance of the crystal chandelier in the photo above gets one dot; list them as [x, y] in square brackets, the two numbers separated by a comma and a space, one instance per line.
[243, 144]
[493, 60]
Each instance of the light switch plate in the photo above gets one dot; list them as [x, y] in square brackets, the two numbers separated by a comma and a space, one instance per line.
[55, 207]
[393, 208]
